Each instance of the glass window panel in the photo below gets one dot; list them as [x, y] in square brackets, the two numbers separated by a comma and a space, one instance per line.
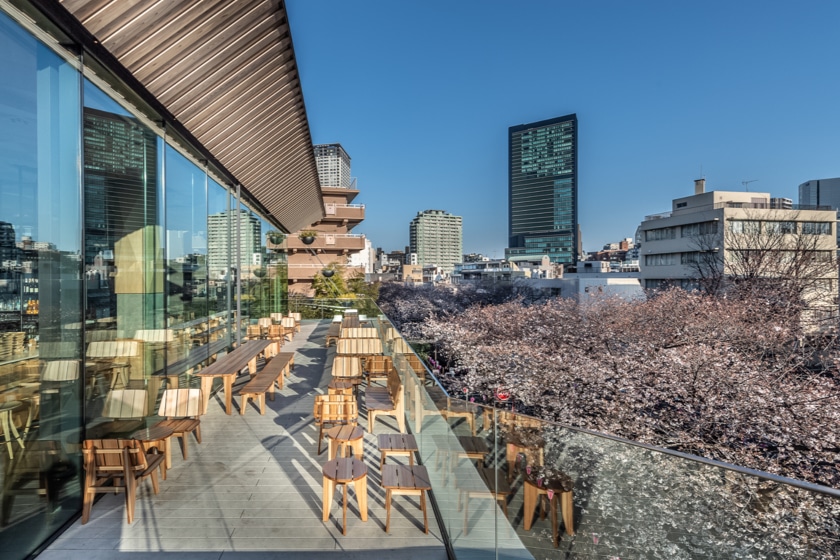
[41, 388]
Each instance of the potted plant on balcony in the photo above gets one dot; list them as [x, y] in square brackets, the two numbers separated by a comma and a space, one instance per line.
[275, 237]
[307, 236]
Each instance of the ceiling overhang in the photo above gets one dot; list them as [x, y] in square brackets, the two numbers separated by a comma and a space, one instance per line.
[226, 72]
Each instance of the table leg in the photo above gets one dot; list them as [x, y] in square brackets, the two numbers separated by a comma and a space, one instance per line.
[228, 379]
[552, 503]
[530, 503]
[167, 450]
[206, 387]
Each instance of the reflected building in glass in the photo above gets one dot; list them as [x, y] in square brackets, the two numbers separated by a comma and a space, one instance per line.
[116, 236]
[542, 190]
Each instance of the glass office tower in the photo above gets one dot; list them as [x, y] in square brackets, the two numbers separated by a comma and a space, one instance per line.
[542, 190]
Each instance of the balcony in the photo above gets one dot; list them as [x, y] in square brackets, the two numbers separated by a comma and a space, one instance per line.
[254, 484]
[349, 215]
[308, 271]
[325, 243]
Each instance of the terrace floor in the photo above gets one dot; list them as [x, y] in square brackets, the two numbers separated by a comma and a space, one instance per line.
[253, 489]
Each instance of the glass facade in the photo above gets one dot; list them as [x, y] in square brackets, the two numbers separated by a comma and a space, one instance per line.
[124, 265]
[543, 189]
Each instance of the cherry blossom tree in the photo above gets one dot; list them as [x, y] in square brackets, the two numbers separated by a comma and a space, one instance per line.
[729, 378]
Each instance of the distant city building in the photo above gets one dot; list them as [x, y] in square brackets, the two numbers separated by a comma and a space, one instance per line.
[333, 165]
[614, 253]
[334, 244]
[821, 192]
[435, 236]
[542, 190]
[502, 270]
[475, 257]
[702, 231]
[592, 280]
[220, 245]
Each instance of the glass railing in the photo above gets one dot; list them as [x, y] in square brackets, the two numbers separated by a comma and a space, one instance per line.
[507, 485]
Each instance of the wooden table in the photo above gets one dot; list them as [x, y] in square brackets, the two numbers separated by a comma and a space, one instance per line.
[556, 489]
[402, 480]
[397, 444]
[228, 367]
[345, 470]
[342, 436]
[153, 437]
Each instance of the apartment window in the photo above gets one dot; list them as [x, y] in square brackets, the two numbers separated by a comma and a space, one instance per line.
[816, 228]
[660, 234]
[695, 230]
[690, 258]
[744, 226]
[664, 259]
[780, 227]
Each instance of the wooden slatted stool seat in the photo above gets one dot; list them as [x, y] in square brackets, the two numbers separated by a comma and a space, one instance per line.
[386, 400]
[345, 470]
[342, 437]
[402, 480]
[397, 444]
[273, 372]
[181, 408]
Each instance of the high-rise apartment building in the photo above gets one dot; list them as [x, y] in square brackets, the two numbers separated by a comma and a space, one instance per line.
[221, 245]
[334, 244]
[542, 190]
[436, 238]
[333, 165]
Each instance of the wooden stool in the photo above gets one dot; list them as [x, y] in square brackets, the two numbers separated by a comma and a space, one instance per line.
[555, 491]
[342, 436]
[397, 444]
[340, 386]
[402, 480]
[345, 471]
[7, 423]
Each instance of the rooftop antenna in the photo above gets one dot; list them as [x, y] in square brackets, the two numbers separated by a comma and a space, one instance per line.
[747, 184]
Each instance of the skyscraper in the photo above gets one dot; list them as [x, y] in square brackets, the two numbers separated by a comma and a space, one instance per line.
[542, 190]
[221, 244]
[822, 192]
[333, 165]
[436, 237]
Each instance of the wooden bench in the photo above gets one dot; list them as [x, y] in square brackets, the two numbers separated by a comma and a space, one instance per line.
[264, 381]
[386, 400]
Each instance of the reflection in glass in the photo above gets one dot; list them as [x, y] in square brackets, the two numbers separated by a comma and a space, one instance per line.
[40, 291]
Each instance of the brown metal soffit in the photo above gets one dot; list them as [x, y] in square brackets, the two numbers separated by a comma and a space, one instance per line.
[226, 70]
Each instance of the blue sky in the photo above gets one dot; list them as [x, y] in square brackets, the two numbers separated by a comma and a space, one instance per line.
[421, 95]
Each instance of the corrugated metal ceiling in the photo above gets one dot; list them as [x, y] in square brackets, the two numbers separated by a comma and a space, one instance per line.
[226, 70]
